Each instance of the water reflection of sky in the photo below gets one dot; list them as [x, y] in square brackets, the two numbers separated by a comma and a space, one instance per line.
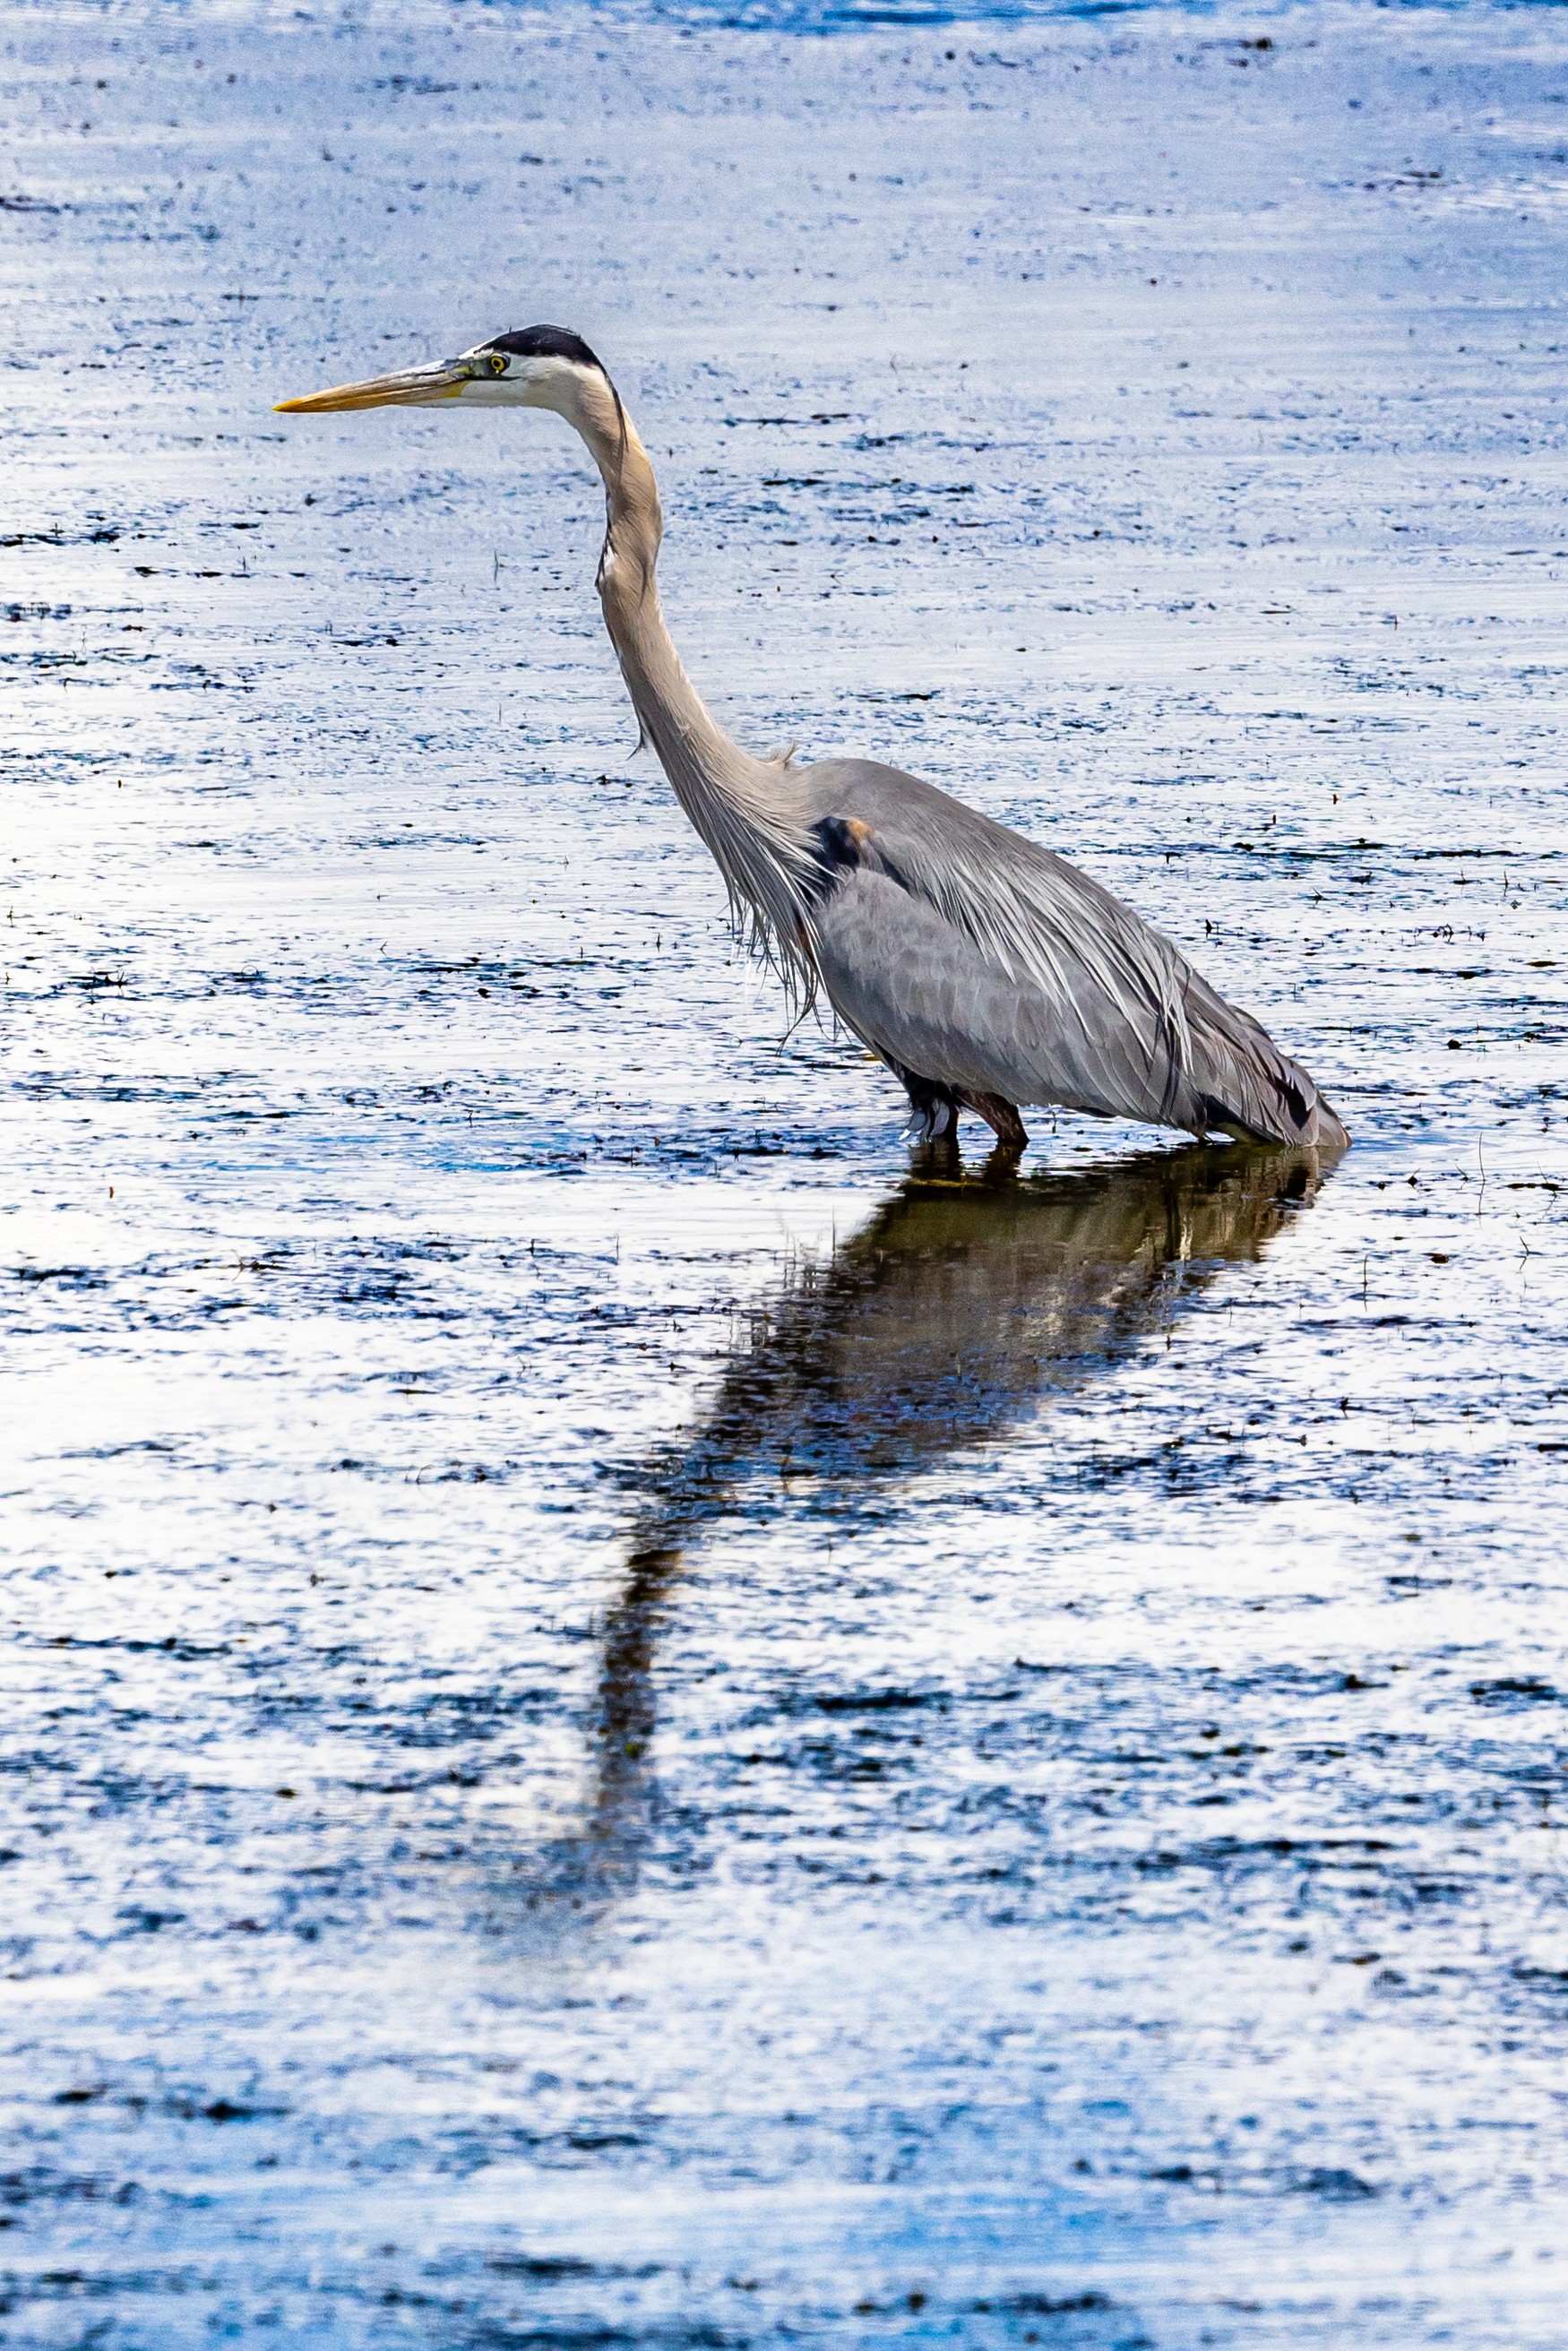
[914, 15]
[628, 1722]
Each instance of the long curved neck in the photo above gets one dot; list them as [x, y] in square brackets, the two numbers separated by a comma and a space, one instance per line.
[693, 748]
[745, 809]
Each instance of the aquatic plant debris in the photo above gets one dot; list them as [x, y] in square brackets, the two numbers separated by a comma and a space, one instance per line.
[631, 1720]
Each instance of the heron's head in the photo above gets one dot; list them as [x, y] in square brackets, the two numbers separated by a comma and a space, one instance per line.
[538, 367]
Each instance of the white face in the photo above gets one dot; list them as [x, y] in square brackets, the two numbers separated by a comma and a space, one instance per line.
[501, 380]
[480, 377]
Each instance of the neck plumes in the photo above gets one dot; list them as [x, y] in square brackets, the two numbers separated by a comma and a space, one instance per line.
[745, 809]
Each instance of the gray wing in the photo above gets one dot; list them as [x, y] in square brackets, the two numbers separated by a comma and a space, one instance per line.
[966, 953]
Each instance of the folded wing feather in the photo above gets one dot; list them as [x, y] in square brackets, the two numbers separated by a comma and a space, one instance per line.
[949, 934]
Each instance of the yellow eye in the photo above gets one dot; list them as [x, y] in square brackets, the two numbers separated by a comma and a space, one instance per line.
[498, 365]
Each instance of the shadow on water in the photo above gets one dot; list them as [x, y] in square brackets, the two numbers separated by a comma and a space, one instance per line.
[963, 1302]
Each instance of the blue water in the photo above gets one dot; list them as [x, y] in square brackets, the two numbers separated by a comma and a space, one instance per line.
[629, 1720]
[867, 15]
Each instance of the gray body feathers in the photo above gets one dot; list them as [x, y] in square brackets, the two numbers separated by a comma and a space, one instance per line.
[966, 955]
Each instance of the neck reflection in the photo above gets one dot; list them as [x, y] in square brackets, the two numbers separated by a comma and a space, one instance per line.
[959, 1306]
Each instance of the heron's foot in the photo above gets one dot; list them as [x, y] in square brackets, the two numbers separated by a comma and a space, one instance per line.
[1001, 1116]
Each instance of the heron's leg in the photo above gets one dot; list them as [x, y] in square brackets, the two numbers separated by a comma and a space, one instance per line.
[933, 1112]
[933, 1108]
[1001, 1116]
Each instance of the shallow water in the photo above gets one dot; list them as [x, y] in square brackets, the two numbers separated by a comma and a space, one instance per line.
[631, 1718]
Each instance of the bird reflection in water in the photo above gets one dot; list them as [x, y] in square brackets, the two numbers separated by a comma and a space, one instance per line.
[961, 1304]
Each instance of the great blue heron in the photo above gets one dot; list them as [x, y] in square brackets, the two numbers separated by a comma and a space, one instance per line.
[983, 970]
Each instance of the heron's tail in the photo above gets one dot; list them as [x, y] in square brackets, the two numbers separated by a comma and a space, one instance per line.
[1245, 1080]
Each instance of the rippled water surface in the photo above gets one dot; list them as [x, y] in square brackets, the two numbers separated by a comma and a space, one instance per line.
[631, 1719]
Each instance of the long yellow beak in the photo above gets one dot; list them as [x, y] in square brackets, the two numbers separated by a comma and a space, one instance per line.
[423, 387]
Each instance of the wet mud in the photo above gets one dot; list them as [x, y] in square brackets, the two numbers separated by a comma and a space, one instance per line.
[633, 1716]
